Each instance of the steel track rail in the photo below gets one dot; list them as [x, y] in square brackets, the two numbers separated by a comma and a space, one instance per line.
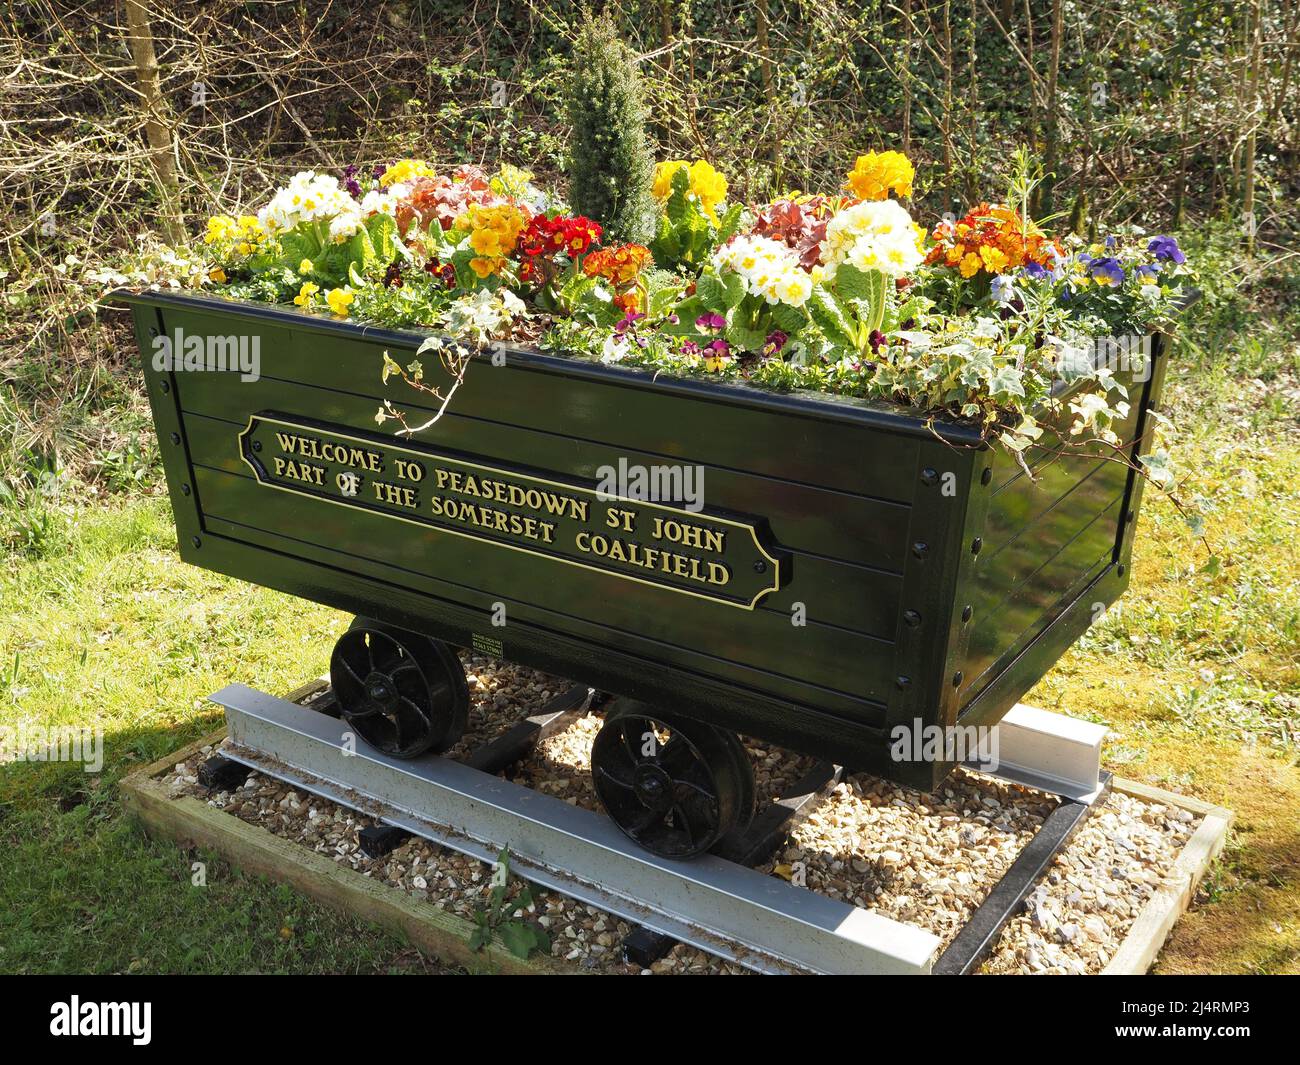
[757, 921]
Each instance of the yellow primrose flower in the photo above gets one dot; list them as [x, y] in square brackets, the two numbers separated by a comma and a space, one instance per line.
[876, 173]
[511, 180]
[708, 185]
[339, 300]
[664, 174]
[305, 294]
[218, 275]
[405, 170]
[485, 266]
[220, 227]
[306, 267]
[970, 264]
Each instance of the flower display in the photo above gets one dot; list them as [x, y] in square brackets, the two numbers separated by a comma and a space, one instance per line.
[312, 197]
[992, 239]
[553, 235]
[841, 293]
[876, 174]
[405, 171]
[874, 235]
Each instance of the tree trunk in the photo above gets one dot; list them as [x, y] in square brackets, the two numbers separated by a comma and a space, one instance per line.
[906, 69]
[156, 126]
[949, 58]
[769, 95]
[1052, 145]
[1248, 164]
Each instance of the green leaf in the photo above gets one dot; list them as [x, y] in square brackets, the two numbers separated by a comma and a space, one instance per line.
[789, 320]
[522, 939]
[1006, 382]
[830, 319]
[854, 284]
[382, 229]
[744, 338]
[729, 223]
[480, 937]
[711, 292]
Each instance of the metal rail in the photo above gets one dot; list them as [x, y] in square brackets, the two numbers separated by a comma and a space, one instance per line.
[757, 921]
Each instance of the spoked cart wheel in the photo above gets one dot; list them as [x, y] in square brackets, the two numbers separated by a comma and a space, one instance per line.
[401, 691]
[676, 786]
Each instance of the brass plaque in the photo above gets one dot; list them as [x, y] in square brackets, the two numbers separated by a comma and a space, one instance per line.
[704, 554]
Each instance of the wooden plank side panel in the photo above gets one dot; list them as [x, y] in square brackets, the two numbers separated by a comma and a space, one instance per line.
[629, 417]
[708, 636]
[1039, 599]
[858, 598]
[802, 517]
[1002, 571]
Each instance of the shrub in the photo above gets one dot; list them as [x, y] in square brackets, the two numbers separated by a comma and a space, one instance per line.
[610, 166]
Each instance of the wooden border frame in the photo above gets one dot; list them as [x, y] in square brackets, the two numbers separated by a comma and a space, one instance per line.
[252, 849]
[1141, 945]
[445, 936]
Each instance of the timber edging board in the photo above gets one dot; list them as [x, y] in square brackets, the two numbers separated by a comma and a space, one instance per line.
[1147, 935]
[445, 936]
[254, 850]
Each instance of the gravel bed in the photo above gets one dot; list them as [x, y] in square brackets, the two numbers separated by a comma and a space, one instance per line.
[927, 860]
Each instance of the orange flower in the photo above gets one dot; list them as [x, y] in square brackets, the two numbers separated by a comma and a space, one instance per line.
[993, 238]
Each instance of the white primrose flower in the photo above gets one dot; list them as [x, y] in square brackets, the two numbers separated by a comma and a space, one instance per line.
[873, 235]
[767, 267]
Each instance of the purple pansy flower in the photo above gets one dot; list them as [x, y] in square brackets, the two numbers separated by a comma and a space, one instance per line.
[1003, 288]
[1166, 249]
[710, 322]
[623, 326]
[775, 342]
[1107, 269]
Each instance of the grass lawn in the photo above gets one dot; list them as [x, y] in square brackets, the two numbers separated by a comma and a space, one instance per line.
[1197, 673]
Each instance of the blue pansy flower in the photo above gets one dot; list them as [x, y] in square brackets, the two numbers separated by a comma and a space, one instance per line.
[1003, 288]
[1107, 269]
[1167, 249]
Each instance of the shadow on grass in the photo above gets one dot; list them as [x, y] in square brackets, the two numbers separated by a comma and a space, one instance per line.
[83, 890]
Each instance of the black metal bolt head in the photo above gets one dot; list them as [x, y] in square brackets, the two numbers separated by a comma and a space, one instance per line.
[956, 679]
[257, 445]
[760, 566]
[920, 549]
[966, 613]
[196, 541]
[976, 545]
[987, 475]
[175, 438]
[903, 683]
[911, 618]
[164, 386]
[185, 489]
[929, 475]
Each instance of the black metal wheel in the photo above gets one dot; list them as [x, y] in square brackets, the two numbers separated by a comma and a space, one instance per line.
[675, 785]
[401, 691]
